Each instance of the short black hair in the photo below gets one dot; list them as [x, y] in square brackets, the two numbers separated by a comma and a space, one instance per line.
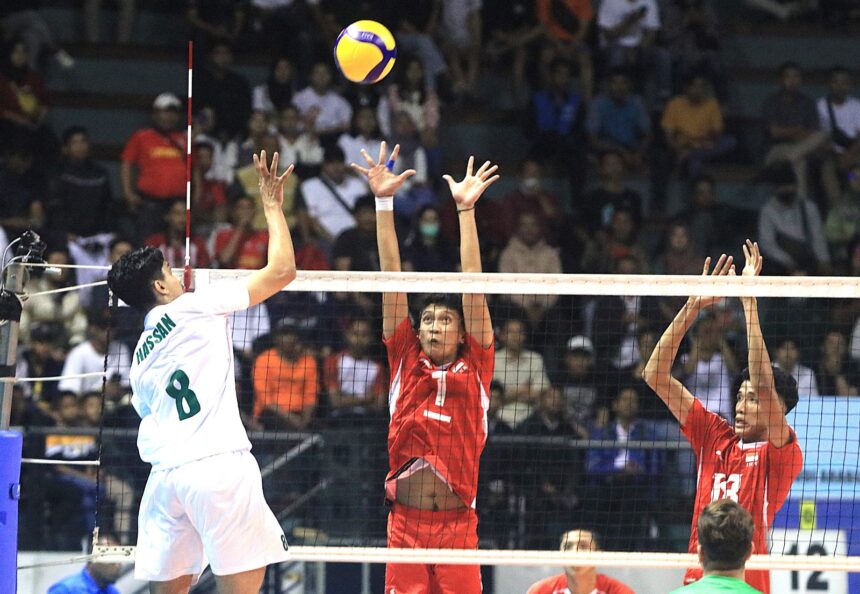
[789, 65]
[725, 535]
[366, 201]
[446, 300]
[838, 69]
[785, 384]
[334, 154]
[131, 277]
[71, 131]
[780, 173]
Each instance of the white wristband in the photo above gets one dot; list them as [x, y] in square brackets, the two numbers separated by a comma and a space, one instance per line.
[385, 203]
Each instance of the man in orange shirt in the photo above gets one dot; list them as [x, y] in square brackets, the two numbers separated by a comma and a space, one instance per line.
[693, 123]
[158, 155]
[285, 383]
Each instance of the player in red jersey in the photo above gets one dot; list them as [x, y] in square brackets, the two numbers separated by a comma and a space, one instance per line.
[438, 399]
[579, 580]
[755, 462]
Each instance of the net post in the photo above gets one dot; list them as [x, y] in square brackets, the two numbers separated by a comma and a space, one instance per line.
[10, 312]
[10, 491]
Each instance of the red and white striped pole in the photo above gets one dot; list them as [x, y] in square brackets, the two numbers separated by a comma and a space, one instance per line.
[187, 273]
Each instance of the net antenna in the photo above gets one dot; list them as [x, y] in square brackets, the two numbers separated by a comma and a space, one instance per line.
[187, 271]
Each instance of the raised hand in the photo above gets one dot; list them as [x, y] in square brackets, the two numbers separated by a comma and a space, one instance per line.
[271, 184]
[753, 259]
[724, 267]
[382, 181]
[467, 191]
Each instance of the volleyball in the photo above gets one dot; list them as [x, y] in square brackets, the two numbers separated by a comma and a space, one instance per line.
[365, 52]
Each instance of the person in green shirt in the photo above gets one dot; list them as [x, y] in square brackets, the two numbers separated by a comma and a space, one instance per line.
[725, 544]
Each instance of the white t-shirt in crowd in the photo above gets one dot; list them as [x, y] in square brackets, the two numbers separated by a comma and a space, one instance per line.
[807, 385]
[455, 20]
[182, 379]
[711, 383]
[613, 12]
[86, 359]
[305, 149]
[326, 208]
[847, 118]
[352, 145]
[334, 110]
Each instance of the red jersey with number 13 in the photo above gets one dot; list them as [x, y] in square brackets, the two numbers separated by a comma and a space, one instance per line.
[438, 414]
[756, 475]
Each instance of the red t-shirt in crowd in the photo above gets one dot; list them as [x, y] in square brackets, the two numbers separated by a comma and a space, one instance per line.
[212, 194]
[438, 414]
[174, 252]
[557, 584]
[252, 253]
[757, 475]
[160, 161]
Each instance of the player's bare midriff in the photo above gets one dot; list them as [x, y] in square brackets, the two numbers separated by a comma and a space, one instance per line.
[424, 490]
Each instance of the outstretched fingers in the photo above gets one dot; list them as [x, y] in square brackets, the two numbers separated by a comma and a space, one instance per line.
[469, 166]
[724, 264]
[489, 183]
[382, 150]
[706, 268]
[367, 158]
[361, 170]
[406, 175]
[283, 177]
[486, 173]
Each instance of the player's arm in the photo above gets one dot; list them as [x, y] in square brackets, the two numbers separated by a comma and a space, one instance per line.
[383, 183]
[466, 194]
[280, 269]
[658, 371]
[761, 371]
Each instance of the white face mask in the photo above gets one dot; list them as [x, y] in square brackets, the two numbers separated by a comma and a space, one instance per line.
[530, 185]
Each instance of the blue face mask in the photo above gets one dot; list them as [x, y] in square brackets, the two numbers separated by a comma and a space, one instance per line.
[429, 229]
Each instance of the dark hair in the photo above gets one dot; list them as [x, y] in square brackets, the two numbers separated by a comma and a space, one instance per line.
[367, 201]
[63, 394]
[559, 62]
[725, 535]
[838, 69]
[446, 300]
[334, 154]
[786, 386]
[786, 66]
[71, 131]
[618, 71]
[118, 239]
[611, 152]
[780, 173]
[131, 277]
[702, 178]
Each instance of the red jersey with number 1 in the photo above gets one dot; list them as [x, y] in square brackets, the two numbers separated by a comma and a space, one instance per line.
[557, 584]
[438, 414]
[756, 475]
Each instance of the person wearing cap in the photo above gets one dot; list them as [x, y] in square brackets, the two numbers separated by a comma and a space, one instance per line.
[285, 381]
[157, 156]
[583, 397]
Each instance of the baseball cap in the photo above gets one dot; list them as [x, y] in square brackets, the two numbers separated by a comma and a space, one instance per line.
[166, 101]
[580, 343]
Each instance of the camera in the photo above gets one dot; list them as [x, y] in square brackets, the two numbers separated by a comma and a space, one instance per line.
[30, 247]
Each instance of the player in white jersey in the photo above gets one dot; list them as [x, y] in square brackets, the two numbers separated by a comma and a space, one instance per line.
[203, 503]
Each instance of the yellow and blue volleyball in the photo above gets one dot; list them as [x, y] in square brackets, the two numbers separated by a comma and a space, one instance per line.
[365, 52]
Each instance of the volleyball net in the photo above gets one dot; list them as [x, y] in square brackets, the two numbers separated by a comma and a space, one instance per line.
[572, 437]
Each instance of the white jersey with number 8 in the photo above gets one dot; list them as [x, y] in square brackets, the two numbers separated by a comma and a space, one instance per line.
[182, 378]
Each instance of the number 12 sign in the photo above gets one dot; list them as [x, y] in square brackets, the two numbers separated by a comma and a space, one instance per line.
[809, 542]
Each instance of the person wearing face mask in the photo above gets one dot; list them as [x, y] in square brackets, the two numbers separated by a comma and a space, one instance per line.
[425, 249]
[530, 197]
[790, 231]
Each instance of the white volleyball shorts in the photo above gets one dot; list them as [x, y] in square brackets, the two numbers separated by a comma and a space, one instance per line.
[210, 511]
